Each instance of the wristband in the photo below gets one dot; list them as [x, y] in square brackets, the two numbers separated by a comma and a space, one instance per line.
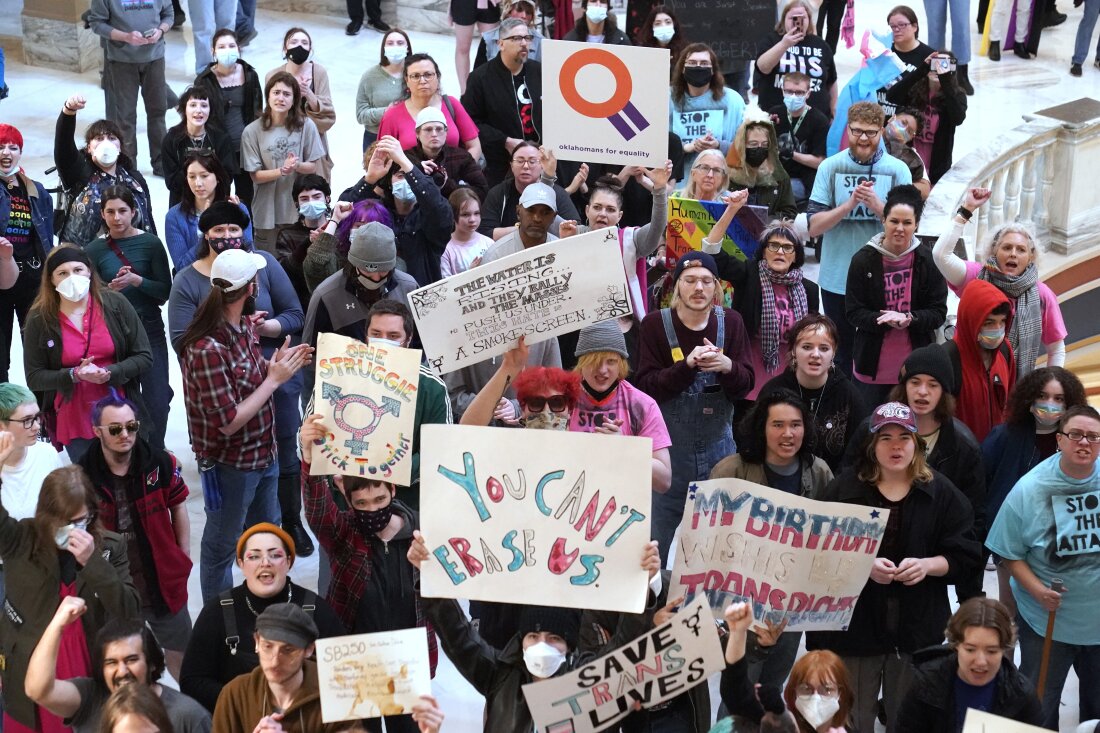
[965, 213]
[72, 375]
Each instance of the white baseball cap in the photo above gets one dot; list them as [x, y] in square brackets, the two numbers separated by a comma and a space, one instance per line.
[539, 193]
[236, 266]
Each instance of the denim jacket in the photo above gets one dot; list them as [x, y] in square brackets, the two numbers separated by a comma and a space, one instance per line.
[41, 215]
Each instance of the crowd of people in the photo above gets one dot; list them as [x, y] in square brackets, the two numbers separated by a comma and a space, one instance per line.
[734, 366]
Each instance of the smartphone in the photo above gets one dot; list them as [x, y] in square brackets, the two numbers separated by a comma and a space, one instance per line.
[943, 64]
[149, 33]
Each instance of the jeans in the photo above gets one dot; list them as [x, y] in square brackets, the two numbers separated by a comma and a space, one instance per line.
[1084, 33]
[892, 672]
[1085, 660]
[247, 498]
[246, 18]
[156, 391]
[368, 138]
[121, 84]
[208, 16]
[288, 419]
[833, 305]
[960, 26]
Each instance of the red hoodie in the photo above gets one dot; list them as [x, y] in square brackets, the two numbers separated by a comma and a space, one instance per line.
[983, 394]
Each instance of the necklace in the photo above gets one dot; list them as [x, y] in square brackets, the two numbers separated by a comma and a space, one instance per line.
[247, 602]
[817, 404]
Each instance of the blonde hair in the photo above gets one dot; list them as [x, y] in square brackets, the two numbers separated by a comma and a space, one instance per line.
[809, 30]
[1024, 228]
[592, 360]
[918, 469]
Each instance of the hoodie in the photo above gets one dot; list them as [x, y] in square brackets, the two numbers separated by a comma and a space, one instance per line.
[983, 392]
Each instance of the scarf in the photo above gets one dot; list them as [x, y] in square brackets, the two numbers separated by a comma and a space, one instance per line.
[1026, 330]
[769, 319]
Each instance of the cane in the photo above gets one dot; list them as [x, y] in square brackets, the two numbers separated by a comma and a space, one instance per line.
[1057, 586]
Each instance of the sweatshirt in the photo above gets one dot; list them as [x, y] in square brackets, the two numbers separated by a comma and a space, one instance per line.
[128, 16]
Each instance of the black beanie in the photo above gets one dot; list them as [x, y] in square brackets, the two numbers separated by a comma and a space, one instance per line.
[565, 622]
[933, 361]
[222, 212]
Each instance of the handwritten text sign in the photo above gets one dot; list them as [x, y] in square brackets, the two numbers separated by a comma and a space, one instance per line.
[545, 291]
[371, 675]
[605, 106]
[689, 221]
[794, 558]
[655, 667]
[535, 516]
[368, 397]
[978, 721]
[1077, 522]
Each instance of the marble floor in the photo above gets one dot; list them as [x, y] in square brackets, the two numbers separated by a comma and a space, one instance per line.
[1005, 91]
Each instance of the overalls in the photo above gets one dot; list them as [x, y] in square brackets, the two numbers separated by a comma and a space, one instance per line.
[699, 423]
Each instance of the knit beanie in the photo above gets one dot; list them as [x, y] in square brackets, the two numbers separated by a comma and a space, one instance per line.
[373, 247]
[602, 336]
[565, 622]
[933, 361]
[695, 259]
[267, 528]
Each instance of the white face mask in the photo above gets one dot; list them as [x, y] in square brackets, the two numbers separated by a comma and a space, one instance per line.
[9, 171]
[227, 57]
[547, 420]
[369, 284]
[596, 13]
[664, 33]
[106, 153]
[385, 342]
[74, 288]
[396, 54]
[817, 710]
[543, 660]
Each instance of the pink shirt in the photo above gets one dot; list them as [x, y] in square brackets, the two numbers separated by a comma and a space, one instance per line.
[637, 410]
[398, 122]
[1054, 328]
[74, 414]
[785, 313]
[897, 278]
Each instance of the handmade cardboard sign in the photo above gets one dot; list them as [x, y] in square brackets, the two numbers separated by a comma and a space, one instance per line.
[368, 397]
[371, 675]
[545, 291]
[978, 721]
[535, 516]
[789, 557]
[655, 667]
[689, 221]
[604, 106]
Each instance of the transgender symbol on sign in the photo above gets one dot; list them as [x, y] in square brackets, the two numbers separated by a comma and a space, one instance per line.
[618, 110]
[357, 444]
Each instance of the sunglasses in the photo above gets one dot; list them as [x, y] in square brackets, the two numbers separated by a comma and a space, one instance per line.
[115, 428]
[557, 403]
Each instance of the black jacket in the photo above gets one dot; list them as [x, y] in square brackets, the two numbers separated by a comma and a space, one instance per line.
[499, 207]
[253, 95]
[929, 706]
[744, 276]
[865, 299]
[490, 99]
[936, 520]
[422, 235]
[612, 35]
[176, 147]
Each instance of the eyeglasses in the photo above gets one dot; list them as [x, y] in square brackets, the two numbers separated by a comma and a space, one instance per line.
[691, 281]
[706, 169]
[557, 403]
[520, 39]
[800, 95]
[422, 76]
[116, 428]
[1075, 436]
[525, 162]
[855, 132]
[825, 690]
[782, 247]
[900, 26]
[27, 422]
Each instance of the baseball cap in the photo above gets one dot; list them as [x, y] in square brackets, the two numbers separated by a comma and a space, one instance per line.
[893, 413]
[236, 266]
[539, 193]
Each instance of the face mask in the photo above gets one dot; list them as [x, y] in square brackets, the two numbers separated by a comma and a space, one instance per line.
[402, 191]
[221, 244]
[596, 13]
[816, 709]
[756, 156]
[369, 284]
[991, 338]
[698, 76]
[312, 209]
[74, 288]
[1047, 414]
[106, 153]
[664, 33]
[249, 305]
[543, 660]
[793, 103]
[373, 522]
[385, 342]
[396, 54]
[898, 132]
[227, 57]
[547, 420]
[298, 54]
[9, 171]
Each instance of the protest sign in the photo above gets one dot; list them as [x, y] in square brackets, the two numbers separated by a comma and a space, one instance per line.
[542, 292]
[368, 397]
[689, 221]
[978, 721]
[789, 557]
[371, 675]
[1077, 523]
[535, 516]
[657, 666]
[603, 106]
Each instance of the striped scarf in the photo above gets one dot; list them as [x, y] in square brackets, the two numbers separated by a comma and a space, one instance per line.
[769, 318]
[1026, 331]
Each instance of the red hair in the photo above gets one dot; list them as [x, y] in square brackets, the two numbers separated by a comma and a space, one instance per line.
[539, 380]
[825, 666]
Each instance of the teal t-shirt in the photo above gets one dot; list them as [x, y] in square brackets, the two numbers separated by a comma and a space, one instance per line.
[1050, 521]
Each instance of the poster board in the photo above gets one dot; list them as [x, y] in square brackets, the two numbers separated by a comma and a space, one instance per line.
[371, 675]
[787, 556]
[542, 292]
[600, 103]
[367, 395]
[535, 516]
[690, 220]
[978, 721]
[733, 28]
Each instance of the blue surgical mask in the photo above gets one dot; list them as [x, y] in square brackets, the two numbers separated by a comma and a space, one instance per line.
[312, 209]
[396, 54]
[664, 33]
[227, 57]
[991, 338]
[402, 191]
[596, 13]
[793, 103]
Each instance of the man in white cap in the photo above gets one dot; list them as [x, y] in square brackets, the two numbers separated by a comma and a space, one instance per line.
[538, 205]
[450, 166]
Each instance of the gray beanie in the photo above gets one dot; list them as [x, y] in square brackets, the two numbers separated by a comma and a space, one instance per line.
[602, 336]
[373, 247]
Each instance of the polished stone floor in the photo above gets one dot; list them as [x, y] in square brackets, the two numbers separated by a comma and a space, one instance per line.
[1005, 91]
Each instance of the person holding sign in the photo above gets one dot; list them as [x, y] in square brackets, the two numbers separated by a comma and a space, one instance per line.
[1047, 529]
[701, 109]
[695, 362]
[974, 671]
[929, 543]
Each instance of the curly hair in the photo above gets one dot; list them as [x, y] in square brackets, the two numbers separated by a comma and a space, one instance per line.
[534, 380]
[1027, 390]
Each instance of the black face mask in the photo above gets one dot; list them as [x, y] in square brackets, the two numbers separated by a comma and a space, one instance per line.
[249, 306]
[373, 522]
[298, 54]
[756, 156]
[698, 76]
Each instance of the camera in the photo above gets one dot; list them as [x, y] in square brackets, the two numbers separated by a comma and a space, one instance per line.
[943, 64]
